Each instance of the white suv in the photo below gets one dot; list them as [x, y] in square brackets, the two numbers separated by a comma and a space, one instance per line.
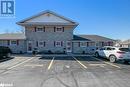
[114, 53]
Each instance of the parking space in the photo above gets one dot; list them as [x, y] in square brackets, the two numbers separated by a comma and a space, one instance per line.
[67, 71]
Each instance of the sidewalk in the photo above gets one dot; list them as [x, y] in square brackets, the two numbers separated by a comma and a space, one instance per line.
[51, 55]
[64, 55]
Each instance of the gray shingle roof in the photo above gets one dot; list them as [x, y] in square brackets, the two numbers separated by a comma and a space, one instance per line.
[21, 36]
[12, 36]
[76, 37]
[91, 38]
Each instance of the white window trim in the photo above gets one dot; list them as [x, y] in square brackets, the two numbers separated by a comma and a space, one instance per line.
[40, 44]
[68, 42]
[58, 45]
[82, 42]
[13, 44]
[60, 30]
[42, 27]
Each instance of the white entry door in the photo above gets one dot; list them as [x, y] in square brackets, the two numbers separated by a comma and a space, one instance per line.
[69, 47]
[29, 46]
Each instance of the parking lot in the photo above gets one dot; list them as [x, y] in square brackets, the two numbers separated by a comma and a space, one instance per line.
[63, 71]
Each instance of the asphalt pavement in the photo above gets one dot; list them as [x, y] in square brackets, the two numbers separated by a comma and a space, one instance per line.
[63, 71]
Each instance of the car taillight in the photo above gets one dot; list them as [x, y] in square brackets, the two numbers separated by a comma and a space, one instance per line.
[120, 52]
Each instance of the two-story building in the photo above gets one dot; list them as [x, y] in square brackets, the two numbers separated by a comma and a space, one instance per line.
[48, 31]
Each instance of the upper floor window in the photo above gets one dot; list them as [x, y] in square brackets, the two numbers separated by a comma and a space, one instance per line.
[58, 29]
[39, 29]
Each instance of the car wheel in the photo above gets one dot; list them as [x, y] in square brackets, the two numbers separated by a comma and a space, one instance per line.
[112, 59]
[96, 54]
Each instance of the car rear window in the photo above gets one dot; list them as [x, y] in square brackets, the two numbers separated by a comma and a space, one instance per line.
[124, 49]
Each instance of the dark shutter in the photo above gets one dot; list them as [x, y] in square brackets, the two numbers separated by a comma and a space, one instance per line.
[37, 43]
[8, 42]
[112, 43]
[87, 44]
[17, 42]
[102, 43]
[79, 44]
[54, 29]
[44, 43]
[54, 43]
[61, 43]
[63, 29]
[44, 29]
[35, 29]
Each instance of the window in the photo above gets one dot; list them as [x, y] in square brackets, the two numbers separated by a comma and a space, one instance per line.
[91, 44]
[59, 29]
[110, 43]
[40, 29]
[58, 43]
[68, 43]
[14, 42]
[83, 44]
[124, 49]
[97, 44]
[42, 43]
[109, 48]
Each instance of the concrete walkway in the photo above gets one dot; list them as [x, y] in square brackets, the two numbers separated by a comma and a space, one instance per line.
[63, 55]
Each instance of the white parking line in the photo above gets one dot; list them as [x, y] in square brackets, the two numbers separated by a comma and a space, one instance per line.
[108, 63]
[80, 63]
[34, 65]
[97, 64]
[112, 65]
[51, 63]
[20, 63]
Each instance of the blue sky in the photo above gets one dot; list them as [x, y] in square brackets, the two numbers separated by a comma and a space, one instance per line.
[110, 18]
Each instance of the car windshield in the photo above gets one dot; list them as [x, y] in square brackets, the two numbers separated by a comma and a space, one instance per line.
[125, 49]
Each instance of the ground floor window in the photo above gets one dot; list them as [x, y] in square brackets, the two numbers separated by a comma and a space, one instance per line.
[83, 44]
[13, 42]
[58, 43]
[91, 44]
[42, 43]
[87, 44]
